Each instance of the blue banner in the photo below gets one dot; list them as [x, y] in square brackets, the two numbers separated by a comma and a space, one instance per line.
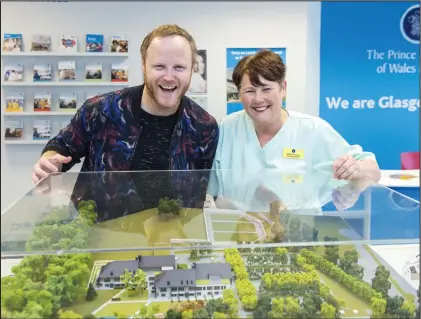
[369, 75]
[233, 57]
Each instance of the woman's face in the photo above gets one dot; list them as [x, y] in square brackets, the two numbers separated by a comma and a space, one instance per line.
[199, 66]
[264, 103]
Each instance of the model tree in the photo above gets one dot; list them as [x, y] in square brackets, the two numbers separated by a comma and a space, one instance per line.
[139, 281]
[277, 309]
[381, 281]
[327, 311]
[91, 293]
[42, 285]
[229, 299]
[194, 255]
[126, 278]
[200, 313]
[216, 305]
[169, 207]
[263, 307]
[282, 253]
[172, 314]
[187, 314]
[332, 251]
[378, 307]
[393, 304]
[310, 306]
[349, 264]
[291, 307]
[134, 283]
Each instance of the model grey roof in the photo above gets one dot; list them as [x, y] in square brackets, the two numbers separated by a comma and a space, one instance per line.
[157, 261]
[176, 278]
[116, 268]
[188, 277]
[213, 271]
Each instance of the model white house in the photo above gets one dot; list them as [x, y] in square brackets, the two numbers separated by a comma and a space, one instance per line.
[202, 280]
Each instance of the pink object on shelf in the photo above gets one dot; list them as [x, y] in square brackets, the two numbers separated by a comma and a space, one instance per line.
[410, 160]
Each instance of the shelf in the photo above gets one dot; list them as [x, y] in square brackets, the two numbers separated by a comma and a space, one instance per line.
[71, 113]
[68, 54]
[66, 83]
[25, 142]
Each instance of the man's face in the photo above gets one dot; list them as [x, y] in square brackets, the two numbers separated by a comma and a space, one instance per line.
[167, 71]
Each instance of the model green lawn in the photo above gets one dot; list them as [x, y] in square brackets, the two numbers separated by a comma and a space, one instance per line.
[86, 307]
[129, 309]
[128, 301]
[352, 302]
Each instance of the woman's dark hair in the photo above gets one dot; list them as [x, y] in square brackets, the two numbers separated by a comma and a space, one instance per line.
[264, 63]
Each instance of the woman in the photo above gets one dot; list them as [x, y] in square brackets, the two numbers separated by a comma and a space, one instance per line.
[198, 79]
[265, 136]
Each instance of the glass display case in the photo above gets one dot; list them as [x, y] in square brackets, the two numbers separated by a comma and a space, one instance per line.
[209, 244]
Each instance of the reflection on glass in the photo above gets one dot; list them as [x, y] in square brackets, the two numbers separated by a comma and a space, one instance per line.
[205, 244]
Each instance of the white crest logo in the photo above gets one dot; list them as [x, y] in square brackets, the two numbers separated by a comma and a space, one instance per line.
[410, 24]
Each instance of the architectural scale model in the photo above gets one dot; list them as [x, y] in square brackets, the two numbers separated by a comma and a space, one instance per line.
[195, 279]
[412, 268]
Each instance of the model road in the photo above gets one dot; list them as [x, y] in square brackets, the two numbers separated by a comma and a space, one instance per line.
[369, 263]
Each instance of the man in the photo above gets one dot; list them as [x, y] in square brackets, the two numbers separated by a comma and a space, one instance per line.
[153, 126]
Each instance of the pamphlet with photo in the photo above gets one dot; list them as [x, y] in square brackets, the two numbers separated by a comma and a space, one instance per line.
[42, 72]
[12, 42]
[68, 102]
[13, 130]
[119, 44]
[119, 73]
[94, 43]
[67, 70]
[13, 73]
[68, 43]
[41, 42]
[41, 130]
[42, 102]
[15, 103]
[93, 72]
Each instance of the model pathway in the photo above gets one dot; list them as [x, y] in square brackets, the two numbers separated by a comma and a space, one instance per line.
[109, 301]
[260, 230]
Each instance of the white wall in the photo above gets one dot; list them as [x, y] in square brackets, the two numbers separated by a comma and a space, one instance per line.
[214, 25]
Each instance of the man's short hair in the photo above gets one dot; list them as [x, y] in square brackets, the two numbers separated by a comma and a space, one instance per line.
[264, 63]
[168, 30]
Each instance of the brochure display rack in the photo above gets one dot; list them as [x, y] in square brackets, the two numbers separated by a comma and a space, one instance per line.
[45, 80]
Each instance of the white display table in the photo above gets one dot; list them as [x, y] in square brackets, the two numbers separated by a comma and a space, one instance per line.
[388, 180]
[401, 182]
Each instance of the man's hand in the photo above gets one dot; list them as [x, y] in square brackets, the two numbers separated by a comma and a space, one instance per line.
[346, 167]
[47, 165]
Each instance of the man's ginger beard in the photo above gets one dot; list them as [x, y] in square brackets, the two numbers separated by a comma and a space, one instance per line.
[153, 90]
